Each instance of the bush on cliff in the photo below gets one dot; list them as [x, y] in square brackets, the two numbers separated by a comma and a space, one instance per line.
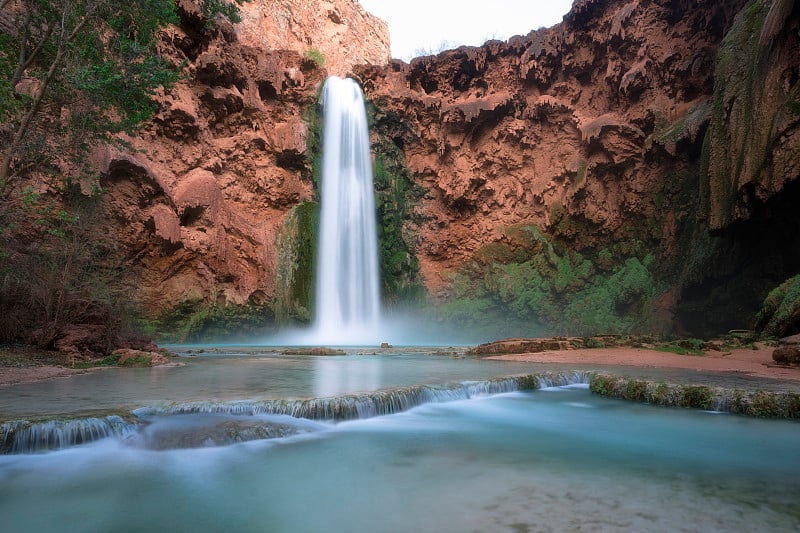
[532, 282]
[780, 314]
[72, 75]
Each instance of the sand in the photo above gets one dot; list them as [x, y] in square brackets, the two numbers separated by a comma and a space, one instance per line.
[32, 374]
[26, 364]
[756, 363]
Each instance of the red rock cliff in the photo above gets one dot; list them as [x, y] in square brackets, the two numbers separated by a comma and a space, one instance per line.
[341, 31]
[585, 121]
[591, 131]
[200, 201]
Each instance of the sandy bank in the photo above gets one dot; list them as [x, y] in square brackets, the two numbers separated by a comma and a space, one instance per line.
[32, 374]
[26, 364]
[755, 363]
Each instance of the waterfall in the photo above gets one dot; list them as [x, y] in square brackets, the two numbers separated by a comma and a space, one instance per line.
[21, 436]
[347, 309]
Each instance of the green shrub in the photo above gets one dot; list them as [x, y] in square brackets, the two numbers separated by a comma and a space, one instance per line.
[316, 56]
[682, 347]
[764, 405]
[697, 397]
[780, 313]
[635, 390]
[603, 384]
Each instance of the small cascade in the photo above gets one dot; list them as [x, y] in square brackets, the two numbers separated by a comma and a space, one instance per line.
[21, 436]
[158, 427]
[371, 404]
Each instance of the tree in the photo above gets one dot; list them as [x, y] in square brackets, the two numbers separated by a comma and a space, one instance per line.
[87, 68]
[73, 73]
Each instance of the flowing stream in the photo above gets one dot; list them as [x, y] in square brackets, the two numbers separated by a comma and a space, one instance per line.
[555, 459]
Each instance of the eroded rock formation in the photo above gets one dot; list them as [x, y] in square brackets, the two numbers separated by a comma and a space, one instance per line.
[574, 172]
[580, 121]
[592, 134]
[200, 200]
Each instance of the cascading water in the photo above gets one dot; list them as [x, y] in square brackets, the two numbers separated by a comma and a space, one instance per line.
[347, 290]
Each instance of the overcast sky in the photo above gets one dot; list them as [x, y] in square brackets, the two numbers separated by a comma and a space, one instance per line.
[426, 24]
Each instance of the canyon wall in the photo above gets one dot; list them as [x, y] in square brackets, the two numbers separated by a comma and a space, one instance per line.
[596, 168]
[340, 31]
[577, 179]
[199, 200]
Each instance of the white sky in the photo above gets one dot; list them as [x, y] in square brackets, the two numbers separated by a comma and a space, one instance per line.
[425, 24]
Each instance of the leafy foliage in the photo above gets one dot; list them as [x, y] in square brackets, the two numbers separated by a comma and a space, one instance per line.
[316, 56]
[395, 198]
[529, 281]
[229, 10]
[74, 73]
[780, 314]
[57, 269]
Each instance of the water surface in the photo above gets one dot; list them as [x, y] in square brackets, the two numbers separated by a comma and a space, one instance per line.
[551, 460]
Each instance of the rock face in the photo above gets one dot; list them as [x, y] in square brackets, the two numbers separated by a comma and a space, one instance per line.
[616, 140]
[581, 121]
[755, 141]
[341, 31]
[574, 172]
[199, 203]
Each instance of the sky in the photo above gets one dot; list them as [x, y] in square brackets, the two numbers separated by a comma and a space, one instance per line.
[427, 24]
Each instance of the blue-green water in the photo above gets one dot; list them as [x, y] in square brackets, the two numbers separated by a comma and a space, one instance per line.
[551, 460]
[245, 373]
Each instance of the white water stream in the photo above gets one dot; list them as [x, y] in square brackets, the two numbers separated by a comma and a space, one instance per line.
[347, 297]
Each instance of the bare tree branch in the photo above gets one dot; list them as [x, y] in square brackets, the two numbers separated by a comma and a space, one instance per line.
[64, 38]
[26, 57]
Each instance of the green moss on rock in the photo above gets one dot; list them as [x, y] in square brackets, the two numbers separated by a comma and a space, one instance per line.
[396, 196]
[527, 278]
[294, 278]
[758, 403]
[197, 321]
[752, 107]
[780, 313]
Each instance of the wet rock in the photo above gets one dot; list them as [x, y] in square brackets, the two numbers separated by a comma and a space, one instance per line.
[513, 346]
[788, 351]
[204, 431]
[139, 358]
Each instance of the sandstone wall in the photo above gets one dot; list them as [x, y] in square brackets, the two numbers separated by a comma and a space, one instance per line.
[579, 129]
[199, 201]
[341, 30]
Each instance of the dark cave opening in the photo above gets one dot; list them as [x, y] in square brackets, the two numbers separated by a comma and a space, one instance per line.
[749, 259]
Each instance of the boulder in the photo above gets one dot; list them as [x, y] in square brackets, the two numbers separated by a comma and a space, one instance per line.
[788, 351]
